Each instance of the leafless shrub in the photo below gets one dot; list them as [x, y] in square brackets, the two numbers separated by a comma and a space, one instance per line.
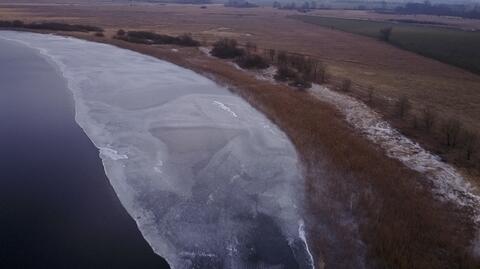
[272, 53]
[252, 61]
[226, 48]
[301, 82]
[428, 119]
[321, 73]
[402, 106]
[251, 47]
[451, 129]
[121, 32]
[285, 73]
[282, 58]
[385, 34]
[415, 122]
[370, 95]
[346, 85]
[471, 141]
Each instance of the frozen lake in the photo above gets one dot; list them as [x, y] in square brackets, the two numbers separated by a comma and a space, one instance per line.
[210, 181]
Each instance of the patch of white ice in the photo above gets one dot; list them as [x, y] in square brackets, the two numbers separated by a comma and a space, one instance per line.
[226, 108]
[205, 50]
[303, 237]
[112, 154]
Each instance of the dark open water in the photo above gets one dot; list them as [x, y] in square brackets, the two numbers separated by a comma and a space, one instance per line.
[57, 208]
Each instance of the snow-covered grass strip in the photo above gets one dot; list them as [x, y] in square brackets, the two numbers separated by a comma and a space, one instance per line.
[448, 183]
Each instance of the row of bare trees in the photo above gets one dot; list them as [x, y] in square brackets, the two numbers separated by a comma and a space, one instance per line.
[450, 131]
[296, 69]
[300, 70]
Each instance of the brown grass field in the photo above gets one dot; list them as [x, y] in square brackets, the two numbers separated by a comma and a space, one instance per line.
[400, 221]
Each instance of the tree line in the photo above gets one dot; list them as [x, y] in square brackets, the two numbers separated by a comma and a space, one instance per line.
[295, 69]
[457, 10]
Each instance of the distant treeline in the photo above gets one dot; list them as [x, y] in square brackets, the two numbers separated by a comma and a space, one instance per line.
[198, 2]
[303, 7]
[53, 26]
[150, 38]
[440, 10]
[240, 4]
[195, 2]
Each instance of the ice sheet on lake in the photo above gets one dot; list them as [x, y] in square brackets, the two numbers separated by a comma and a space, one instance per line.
[209, 180]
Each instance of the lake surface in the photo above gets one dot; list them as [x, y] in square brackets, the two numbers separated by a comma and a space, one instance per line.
[210, 181]
[57, 208]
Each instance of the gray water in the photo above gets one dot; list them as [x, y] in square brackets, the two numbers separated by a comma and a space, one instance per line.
[57, 208]
[210, 182]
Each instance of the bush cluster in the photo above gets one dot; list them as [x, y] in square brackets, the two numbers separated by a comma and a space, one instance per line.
[227, 49]
[252, 61]
[299, 70]
[145, 37]
[247, 58]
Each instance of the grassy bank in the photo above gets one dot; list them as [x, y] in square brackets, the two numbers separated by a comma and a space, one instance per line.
[455, 47]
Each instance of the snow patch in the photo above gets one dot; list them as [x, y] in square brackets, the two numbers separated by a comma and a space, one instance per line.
[112, 154]
[267, 74]
[303, 237]
[205, 50]
[226, 108]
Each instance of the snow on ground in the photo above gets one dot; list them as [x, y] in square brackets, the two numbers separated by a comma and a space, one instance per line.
[210, 181]
[205, 50]
[267, 74]
[447, 181]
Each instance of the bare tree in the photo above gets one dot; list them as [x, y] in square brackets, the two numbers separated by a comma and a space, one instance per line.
[121, 32]
[471, 140]
[321, 72]
[346, 85]
[385, 33]
[272, 53]
[282, 58]
[402, 106]
[428, 119]
[251, 47]
[370, 95]
[451, 130]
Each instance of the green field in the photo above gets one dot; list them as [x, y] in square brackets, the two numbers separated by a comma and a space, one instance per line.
[455, 47]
